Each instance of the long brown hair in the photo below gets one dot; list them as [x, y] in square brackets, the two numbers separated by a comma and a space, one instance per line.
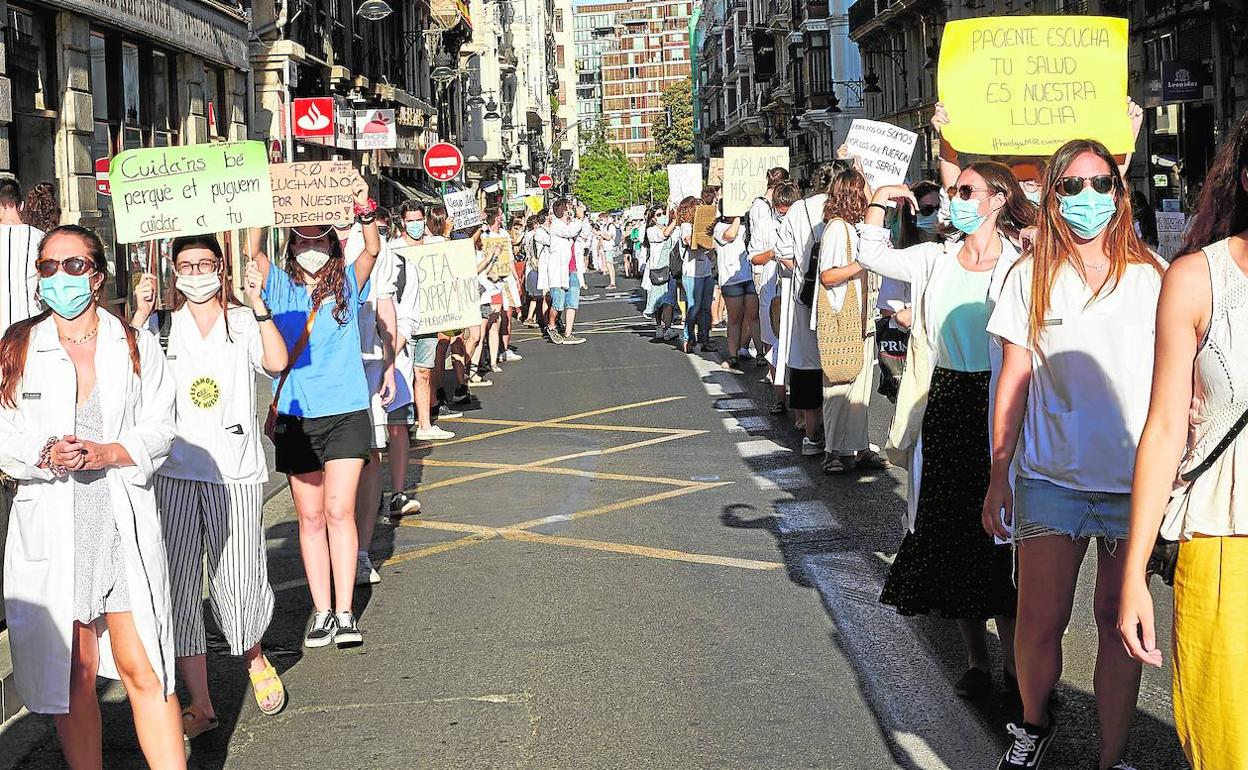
[684, 212]
[41, 211]
[847, 197]
[1018, 212]
[332, 279]
[16, 340]
[1223, 208]
[1054, 247]
[436, 222]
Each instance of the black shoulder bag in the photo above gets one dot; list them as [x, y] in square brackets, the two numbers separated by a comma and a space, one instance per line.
[810, 278]
[1165, 556]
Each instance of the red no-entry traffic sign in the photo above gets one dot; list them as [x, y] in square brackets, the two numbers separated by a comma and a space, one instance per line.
[443, 161]
[545, 181]
[101, 176]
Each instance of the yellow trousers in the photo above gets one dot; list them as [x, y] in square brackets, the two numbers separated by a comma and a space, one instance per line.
[1211, 652]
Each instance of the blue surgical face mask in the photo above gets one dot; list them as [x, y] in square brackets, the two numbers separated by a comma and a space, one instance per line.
[965, 215]
[1033, 196]
[928, 222]
[1088, 212]
[66, 295]
[661, 220]
[415, 230]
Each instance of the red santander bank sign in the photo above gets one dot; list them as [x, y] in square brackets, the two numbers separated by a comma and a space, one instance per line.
[313, 118]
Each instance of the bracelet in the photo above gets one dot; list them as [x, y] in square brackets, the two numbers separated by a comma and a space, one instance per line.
[366, 219]
[879, 206]
[45, 459]
[268, 316]
[368, 208]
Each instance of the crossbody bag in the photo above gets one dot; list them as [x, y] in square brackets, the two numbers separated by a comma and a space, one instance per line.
[270, 422]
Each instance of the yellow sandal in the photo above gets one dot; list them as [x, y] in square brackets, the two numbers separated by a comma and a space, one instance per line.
[265, 683]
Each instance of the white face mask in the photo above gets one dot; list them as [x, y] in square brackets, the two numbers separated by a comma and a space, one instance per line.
[199, 288]
[312, 260]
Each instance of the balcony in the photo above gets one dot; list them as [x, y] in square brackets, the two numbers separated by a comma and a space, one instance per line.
[779, 17]
[863, 12]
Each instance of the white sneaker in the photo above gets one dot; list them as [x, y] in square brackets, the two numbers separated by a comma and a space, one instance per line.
[510, 356]
[365, 575]
[811, 448]
[434, 433]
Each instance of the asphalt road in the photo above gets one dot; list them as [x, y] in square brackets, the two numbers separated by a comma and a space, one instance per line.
[621, 563]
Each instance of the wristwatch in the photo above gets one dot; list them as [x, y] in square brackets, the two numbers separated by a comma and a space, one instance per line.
[268, 316]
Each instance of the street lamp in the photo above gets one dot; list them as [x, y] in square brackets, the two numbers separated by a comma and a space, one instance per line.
[491, 109]
[374, 10]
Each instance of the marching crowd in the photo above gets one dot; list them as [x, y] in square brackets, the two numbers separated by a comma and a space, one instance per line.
[1056, 385]
[1050, 373]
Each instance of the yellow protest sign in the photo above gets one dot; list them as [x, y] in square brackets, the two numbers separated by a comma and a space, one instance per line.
[164, 192]
[745, 175]
[535, 203]
[446, 277]
[1026, 85]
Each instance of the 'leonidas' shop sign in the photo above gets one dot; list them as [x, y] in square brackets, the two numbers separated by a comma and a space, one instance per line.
[205, 29]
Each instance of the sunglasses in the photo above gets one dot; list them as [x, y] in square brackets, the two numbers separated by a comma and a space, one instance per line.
[1073, 185]
[966, 191]
[74, 266]
[929, 209]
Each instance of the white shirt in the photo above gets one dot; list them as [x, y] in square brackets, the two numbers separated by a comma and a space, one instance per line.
[730, 256]
[381, 286]
[764, 224]
[218, 440]
[19, 248]
[799, 233]
[1091, 375]
[894, 295]
[696, 263]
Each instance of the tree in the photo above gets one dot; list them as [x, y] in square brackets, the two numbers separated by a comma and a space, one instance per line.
[606, 177]
[673, 130]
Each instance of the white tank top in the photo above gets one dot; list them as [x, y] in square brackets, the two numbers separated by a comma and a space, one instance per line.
[1210, 505]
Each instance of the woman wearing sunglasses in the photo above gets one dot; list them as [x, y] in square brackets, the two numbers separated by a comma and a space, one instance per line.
[1076, 320]
[210, 489]
[1201, 316]
[947, 566]
[323, 431]
[86, 417]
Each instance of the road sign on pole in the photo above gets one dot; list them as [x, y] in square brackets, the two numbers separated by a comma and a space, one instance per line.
[101, 176]
[545, 181]
[443, 161]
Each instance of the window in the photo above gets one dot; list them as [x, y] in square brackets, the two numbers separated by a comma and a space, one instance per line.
[32, 69]
[216, 106]
[558, 20]
[638, 132]
[99, 76]
[130, 83]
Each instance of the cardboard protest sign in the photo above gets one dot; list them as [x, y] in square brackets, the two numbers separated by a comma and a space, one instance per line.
[883, 149]
[715, 172]
[446, 276]
[745, 175]
[164, 192]
[498, 248]
[703, 220]
[1025, 85]
[684, 180]
[313, 192]
[1170, 229]
[462, 209]
[633, 212]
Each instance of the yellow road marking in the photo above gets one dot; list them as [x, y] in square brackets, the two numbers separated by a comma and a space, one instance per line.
[666, 494]
[640, 550]
[597, 475]
[433, 550]
[557, 420]
[558, 424]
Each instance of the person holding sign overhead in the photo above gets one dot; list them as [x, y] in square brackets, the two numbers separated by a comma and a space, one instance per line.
[210, 490]
[86, 418]
[947, 565]
[1076, 318]
[321, 424]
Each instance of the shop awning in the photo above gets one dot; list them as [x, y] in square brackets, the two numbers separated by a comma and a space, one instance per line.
[412, 193]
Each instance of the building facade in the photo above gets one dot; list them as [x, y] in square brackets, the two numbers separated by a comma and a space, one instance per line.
[594, 35]
[566, 142]
[653, 54]
[776, 72]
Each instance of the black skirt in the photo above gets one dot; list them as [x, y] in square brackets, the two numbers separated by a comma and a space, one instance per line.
[949, 566]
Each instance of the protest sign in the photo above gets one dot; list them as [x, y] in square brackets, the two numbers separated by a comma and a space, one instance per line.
[703, 221]
[462, 209]
[1171, 226]
[1025, 85]
[715, 172]
[745, 175]
[883, 149]
[534, 203]
[164, 192]
[684, 180]
[446, 274]
[633, 212]
[498, 249]
[313, 192]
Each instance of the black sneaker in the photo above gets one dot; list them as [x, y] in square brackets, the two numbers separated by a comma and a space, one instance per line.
[401, 505]
[348, 633]
[462, 396]
[1028, 746]
[974, 684]
[321, 630]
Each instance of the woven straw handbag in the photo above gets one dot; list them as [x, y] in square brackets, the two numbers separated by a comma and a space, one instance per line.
[841, 334]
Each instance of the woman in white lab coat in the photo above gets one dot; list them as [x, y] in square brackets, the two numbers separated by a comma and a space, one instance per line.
[86, 418]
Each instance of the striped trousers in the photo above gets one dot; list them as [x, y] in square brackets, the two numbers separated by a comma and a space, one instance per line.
[223, 523]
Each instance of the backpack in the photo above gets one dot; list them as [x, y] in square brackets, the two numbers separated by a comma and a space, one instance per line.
[746, 225]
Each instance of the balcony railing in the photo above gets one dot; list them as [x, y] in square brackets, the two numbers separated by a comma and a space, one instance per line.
[863, 11]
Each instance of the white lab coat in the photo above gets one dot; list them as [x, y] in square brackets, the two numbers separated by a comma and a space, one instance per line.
[39, 555]
[554, 265]
[922, 266]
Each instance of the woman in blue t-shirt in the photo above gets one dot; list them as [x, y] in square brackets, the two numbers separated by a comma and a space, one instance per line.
[323, 431]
